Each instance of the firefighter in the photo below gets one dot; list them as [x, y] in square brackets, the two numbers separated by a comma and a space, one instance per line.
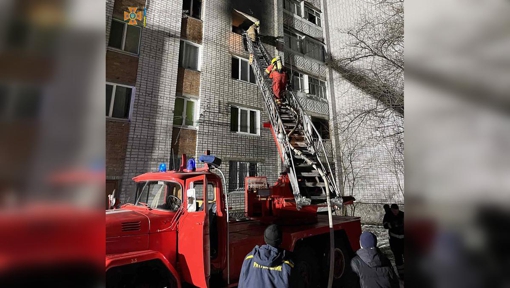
[253, 31]
[394, 222]
[276, 71]
[372, 266]
[267, 265]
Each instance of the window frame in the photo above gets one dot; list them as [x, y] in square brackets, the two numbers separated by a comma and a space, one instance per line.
[308, 42]
[112, 101]
[297, 7]
[315, 13]
[199, 56]
[124, 34]
[250, 71]
[301, 77]
[299, 41]
[237, 176]
[196, 112]
[257, 115]
[191, 9]
[318, 87]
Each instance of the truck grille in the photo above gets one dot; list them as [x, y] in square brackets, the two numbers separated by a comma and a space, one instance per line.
[131, 226]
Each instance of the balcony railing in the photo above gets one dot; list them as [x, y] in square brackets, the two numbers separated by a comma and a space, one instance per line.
[312, 104]
[307, 65]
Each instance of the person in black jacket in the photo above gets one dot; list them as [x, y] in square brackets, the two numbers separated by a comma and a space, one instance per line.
[394, 222]
[372, 266]
[267, 266]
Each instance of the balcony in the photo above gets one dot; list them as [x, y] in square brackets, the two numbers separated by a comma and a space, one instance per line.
[307, 65]
[302, 25]
[312, 104]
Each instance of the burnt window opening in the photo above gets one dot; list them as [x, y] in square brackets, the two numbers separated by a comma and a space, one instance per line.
[322, 126]
[192, 8]
[241, 22]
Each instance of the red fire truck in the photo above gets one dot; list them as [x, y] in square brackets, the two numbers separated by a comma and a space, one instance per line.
[177, 232]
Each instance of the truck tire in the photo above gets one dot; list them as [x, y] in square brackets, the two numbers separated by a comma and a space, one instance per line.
[343, 275]
[305, 273]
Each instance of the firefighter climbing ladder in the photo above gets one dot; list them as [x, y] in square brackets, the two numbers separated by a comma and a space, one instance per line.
[300, 145]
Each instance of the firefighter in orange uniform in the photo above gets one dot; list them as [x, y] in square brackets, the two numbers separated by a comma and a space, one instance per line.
[277, 73]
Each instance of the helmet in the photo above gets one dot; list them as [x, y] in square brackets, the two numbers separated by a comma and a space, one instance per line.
[257, 23]
[275, 59]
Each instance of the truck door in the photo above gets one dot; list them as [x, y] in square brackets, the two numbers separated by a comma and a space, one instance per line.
[193, 235]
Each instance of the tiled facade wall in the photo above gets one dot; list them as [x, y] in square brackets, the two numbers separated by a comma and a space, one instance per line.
[377, 183]
[219, 91]
[151, 123]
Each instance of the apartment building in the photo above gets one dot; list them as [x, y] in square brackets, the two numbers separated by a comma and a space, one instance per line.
[183, 85]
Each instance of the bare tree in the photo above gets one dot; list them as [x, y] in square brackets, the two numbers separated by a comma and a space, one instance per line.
[373, 62]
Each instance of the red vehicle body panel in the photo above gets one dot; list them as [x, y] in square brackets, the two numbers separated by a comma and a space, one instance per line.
[140, 256]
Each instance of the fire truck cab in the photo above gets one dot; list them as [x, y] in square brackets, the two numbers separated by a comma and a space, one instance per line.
[177, 233]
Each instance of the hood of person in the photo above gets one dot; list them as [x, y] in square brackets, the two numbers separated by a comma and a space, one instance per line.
[267, 255]
[371, 256]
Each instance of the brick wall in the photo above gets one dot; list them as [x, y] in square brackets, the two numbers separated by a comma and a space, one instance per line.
[116, 144]
[121, 68]
[219, 91]
[192, 29]
[188, 81]
[149, 142]
[184, 141]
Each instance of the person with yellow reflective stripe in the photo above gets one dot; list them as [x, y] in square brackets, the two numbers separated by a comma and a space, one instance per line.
[268, 265]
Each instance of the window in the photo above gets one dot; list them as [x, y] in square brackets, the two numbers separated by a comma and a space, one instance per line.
[159, 195]
[238, 171]
[192, 8]
[199, 190]
[317, 88]
[313, 16]
[298, 81]
[125, 37]
[322, 126]
[189, 56]
[19, 102]
[185, 112]
[118, 100]
[293, 42]
[241, 70]
[244, 120]
[293, 7]
[314, 50]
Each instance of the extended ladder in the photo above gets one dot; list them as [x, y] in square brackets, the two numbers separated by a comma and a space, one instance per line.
[299, 143]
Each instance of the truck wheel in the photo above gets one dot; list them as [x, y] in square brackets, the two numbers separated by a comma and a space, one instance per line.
[305, 273]
[342, 272]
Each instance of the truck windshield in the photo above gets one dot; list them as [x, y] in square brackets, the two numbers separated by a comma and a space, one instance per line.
[159, 195]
